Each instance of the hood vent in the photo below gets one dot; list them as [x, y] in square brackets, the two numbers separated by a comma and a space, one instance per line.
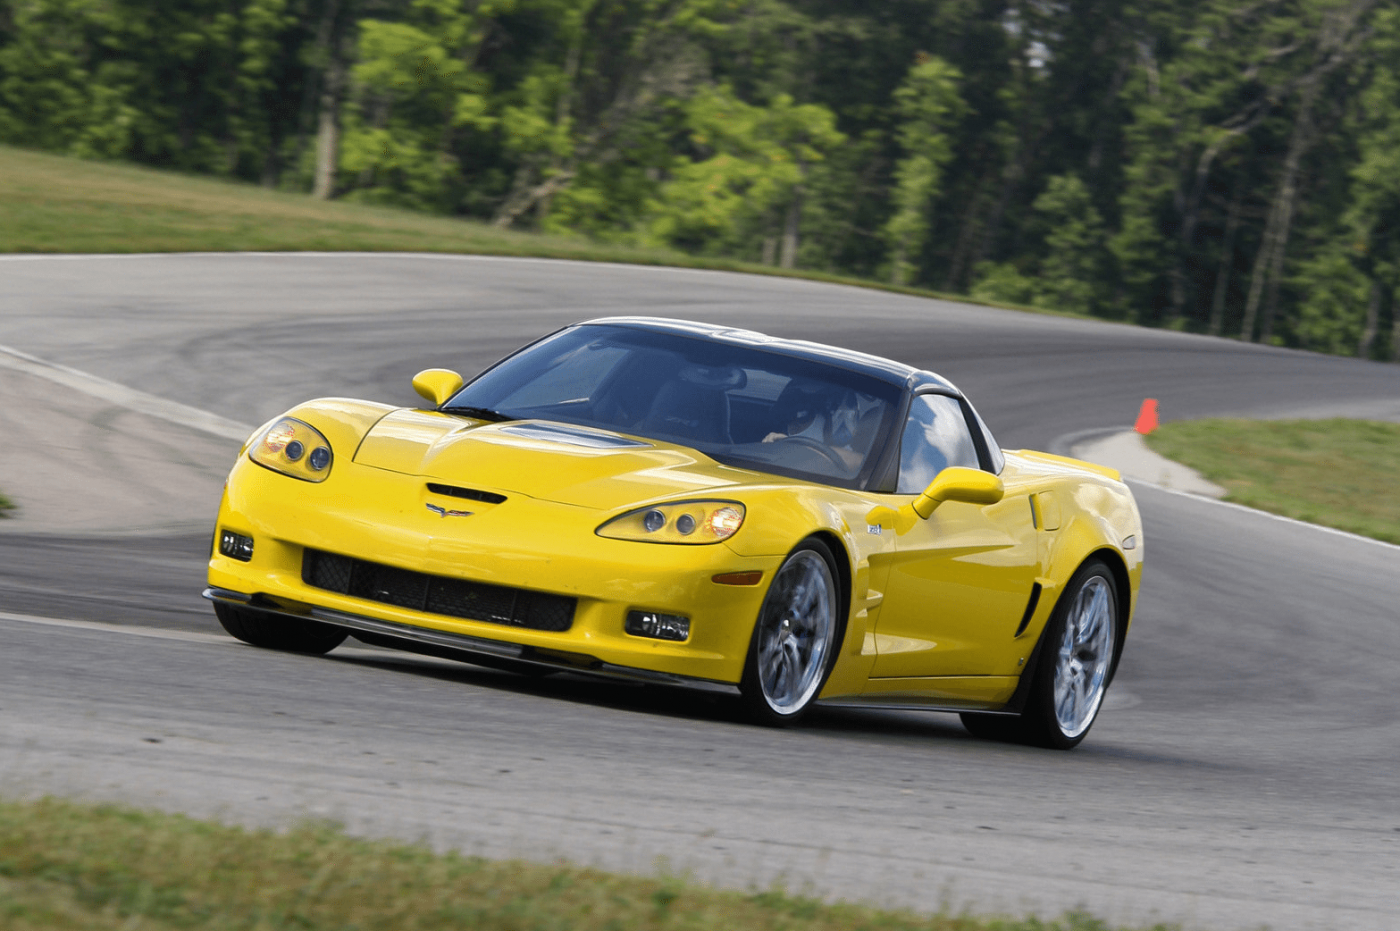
[572, 436]
[471, 494]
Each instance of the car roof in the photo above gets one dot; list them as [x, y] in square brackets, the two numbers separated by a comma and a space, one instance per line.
[887, 370]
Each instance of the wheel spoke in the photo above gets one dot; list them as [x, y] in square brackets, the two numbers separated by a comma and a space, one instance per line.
[1085, 651]
[795, 628]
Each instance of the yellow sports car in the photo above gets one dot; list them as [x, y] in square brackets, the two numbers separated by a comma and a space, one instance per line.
[673, 502]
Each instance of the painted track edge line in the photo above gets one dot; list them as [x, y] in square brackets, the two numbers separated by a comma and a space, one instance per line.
[1269, 514]
[1061, 445]
[216, 638]
[122, 396]
[133, 630]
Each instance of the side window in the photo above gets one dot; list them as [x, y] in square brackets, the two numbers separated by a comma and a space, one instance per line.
[936, 436]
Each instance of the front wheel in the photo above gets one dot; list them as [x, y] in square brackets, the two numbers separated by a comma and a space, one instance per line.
[278, 632]
[1073, 672]
[795, 639]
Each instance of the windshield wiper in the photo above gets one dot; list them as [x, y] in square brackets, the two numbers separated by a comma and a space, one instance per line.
[479, 413]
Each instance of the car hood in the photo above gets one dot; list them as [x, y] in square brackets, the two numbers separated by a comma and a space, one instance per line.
[542, 459]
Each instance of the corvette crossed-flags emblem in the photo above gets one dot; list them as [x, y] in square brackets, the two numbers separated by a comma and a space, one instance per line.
[444, 512]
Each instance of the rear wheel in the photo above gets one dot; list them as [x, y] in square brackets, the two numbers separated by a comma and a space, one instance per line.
[1072, 675]
[795, 638]
[277, 631]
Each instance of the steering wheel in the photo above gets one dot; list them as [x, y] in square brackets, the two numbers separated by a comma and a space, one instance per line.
[827, 451]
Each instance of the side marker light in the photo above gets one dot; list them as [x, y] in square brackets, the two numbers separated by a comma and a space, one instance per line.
[738, 578]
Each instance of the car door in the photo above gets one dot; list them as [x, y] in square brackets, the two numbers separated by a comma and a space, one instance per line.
[960, 581]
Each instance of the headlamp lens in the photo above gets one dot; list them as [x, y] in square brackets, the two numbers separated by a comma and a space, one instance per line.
[678, 522]
[282, 448]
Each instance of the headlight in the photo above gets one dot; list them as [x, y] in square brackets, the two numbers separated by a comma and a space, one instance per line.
[293, 448]
[678, 522]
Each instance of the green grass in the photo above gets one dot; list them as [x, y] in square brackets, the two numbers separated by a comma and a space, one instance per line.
[6, 506]
[56, 204]
[97, 867]
[53, 203]
[1338, 473]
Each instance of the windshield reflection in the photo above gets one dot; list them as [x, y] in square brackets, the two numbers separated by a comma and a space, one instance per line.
[740, 405]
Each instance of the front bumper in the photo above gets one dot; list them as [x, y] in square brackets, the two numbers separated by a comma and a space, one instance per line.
[470, 649]
[523, 543]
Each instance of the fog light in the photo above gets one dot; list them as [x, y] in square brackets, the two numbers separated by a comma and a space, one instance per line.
[236, 546]
[658, 626]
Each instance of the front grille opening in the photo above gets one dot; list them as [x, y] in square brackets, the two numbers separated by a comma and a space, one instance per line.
[471, 494]
[435, 594]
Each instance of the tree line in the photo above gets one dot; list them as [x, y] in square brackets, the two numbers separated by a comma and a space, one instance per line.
[1221, 166]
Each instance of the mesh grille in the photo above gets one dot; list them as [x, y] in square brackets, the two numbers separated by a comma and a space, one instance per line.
[436, 594]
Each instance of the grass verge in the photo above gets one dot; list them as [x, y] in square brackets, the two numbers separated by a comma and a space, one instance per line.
[6, 506]
[1338, 473]
[97, 867]
[54, 203]
[58, 204]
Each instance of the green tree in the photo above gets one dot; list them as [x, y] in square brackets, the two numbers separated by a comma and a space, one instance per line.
[414, 91]
[253, 133]
[590, 126]
[1072, 274]
[1351, 280]
[1230, 92]
[928, 105]
[1068, 271]
[50, 61]
[1332, 315]
[750, 167]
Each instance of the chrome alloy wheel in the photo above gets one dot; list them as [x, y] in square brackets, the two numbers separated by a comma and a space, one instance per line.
[794, 632]
[1085, 656]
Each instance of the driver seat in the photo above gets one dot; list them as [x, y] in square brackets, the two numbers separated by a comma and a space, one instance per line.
[695, 404]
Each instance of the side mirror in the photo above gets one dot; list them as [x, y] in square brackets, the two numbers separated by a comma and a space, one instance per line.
[437, 385]
[971, 486]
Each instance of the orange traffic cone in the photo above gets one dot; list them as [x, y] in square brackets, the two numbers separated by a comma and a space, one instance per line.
[1147, 417]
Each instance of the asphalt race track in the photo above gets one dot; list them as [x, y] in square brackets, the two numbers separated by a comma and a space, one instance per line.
[1243, 773]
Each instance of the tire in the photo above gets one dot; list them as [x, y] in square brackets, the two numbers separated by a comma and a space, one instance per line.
[277, 631]
[1006, 728]
[1075, 666]
[795, 638]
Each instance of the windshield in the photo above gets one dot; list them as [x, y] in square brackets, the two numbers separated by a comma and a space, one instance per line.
[740, 405]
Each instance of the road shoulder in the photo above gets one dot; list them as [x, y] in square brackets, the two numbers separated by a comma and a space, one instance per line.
[1126, 452]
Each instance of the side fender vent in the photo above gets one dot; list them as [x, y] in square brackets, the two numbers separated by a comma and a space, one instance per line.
[1030, 610]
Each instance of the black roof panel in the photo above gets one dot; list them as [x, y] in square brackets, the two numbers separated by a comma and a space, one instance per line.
[887, 370]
